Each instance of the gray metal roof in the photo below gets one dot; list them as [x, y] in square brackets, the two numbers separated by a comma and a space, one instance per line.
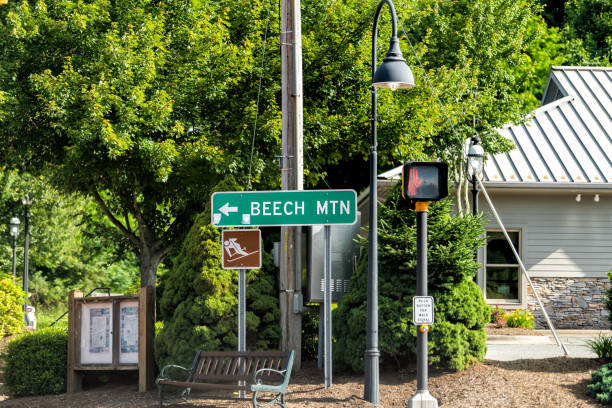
[567, 142]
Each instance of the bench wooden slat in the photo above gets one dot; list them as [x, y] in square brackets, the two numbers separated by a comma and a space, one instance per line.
[202, 385]
[236, 371]
[214, 368]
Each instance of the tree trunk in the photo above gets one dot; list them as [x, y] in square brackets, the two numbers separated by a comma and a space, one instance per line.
[149, 261]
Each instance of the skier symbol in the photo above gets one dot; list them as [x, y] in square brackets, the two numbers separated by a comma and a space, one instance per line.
[232, 247]
[241, 249]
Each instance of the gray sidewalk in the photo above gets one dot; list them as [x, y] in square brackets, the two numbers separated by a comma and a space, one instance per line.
[506, 348]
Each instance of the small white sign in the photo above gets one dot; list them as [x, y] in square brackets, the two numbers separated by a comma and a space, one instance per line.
[422, 310]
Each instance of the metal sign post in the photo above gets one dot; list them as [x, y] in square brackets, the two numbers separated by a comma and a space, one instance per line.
[241, 320]
[422, 398]
[327, 309]
[241, 249]
[423, 182]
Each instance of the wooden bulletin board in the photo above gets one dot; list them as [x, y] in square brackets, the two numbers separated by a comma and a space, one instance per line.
[110, 333]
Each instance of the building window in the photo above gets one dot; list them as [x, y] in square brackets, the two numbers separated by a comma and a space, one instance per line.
[502, 271]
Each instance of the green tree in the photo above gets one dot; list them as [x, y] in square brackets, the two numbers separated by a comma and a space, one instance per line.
[590, 21]
[549, 48]
[469, 60]
[199, 302]
[458, 337]
[69, 245]
[125, 102]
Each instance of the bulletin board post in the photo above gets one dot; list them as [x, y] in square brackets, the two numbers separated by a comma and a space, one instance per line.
[111, 333]
[146, 334]
[74, 380]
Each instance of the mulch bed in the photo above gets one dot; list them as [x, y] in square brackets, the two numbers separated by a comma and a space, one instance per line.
[548, 383]
[492, 330]
[557, 382]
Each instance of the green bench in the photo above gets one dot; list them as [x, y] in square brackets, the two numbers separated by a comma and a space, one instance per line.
[255, 371]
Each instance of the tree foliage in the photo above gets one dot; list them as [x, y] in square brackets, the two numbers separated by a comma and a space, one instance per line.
[591, 22]
[126, 101]
[72, 246]
[457, 338]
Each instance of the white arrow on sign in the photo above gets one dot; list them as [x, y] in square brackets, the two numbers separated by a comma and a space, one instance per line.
[226, 209]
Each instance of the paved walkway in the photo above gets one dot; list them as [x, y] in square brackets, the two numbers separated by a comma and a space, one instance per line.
[507, 348]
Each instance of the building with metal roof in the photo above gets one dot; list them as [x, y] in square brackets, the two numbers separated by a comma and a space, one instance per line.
[567, 142]
[554, 195]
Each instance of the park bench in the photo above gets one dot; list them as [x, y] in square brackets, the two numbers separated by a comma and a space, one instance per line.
[256, 371]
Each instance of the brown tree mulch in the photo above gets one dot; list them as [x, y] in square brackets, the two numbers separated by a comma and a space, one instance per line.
[492, 330]
[555, 382]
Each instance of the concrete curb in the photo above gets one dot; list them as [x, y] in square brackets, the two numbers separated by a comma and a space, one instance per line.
[545, 337]
[520, 339]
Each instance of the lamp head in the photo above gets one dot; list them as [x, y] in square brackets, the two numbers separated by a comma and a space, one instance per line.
[14, 227]
[26, 201]
[393, 73]
[476, 157]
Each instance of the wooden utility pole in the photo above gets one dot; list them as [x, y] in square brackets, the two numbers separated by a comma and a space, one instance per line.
[292, 170]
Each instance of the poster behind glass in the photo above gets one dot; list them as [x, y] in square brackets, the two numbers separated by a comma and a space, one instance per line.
[128, 338]
[96, 333]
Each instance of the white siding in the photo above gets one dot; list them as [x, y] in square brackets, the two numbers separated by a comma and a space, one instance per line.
[560, 237]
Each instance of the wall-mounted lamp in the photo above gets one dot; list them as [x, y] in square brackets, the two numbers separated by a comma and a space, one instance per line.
[596, 198]
[578, 198]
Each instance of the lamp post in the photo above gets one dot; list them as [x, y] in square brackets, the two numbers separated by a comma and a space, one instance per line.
[475, 164]
[392, 74]
[14, 231]
[27, 202]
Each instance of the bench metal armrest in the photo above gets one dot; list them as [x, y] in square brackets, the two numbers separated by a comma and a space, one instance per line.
[258, 380]
[162, 373]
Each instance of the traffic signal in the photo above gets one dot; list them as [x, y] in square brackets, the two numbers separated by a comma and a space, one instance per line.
[424, 181]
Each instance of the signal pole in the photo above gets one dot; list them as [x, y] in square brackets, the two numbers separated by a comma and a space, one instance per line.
[292, 171]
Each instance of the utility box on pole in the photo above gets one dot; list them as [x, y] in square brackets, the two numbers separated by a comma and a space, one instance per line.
[345, 252]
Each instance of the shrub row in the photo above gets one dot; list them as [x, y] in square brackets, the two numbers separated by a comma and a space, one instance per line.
[36, 362]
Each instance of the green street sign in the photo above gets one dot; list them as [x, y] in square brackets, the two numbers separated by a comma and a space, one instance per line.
[294, 207]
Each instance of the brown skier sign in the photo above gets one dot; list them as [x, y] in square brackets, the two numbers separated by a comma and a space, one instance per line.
[241, 249]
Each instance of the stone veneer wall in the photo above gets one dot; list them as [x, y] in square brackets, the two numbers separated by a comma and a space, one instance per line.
[571, 303]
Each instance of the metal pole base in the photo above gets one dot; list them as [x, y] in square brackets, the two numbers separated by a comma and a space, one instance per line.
[422, 399]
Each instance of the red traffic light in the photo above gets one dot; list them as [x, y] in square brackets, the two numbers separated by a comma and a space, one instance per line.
[425, 181]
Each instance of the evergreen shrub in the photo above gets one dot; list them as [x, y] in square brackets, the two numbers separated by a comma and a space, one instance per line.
[11, 306]
[601, 384]
[457, 337]
[199, 302]
[310, 335]
[36, 362]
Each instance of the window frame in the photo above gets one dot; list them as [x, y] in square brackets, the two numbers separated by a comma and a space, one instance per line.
[521, 296]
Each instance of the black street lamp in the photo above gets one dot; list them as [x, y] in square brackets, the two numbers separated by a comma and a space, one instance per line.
[27, 202]
[392, 74]
[475, 165]
[14, 231]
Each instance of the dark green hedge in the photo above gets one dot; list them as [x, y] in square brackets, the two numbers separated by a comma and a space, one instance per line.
[199, 302]
[36, 363]
[458, 337]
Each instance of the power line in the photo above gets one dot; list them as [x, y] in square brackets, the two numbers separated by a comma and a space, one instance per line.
[261, 70]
